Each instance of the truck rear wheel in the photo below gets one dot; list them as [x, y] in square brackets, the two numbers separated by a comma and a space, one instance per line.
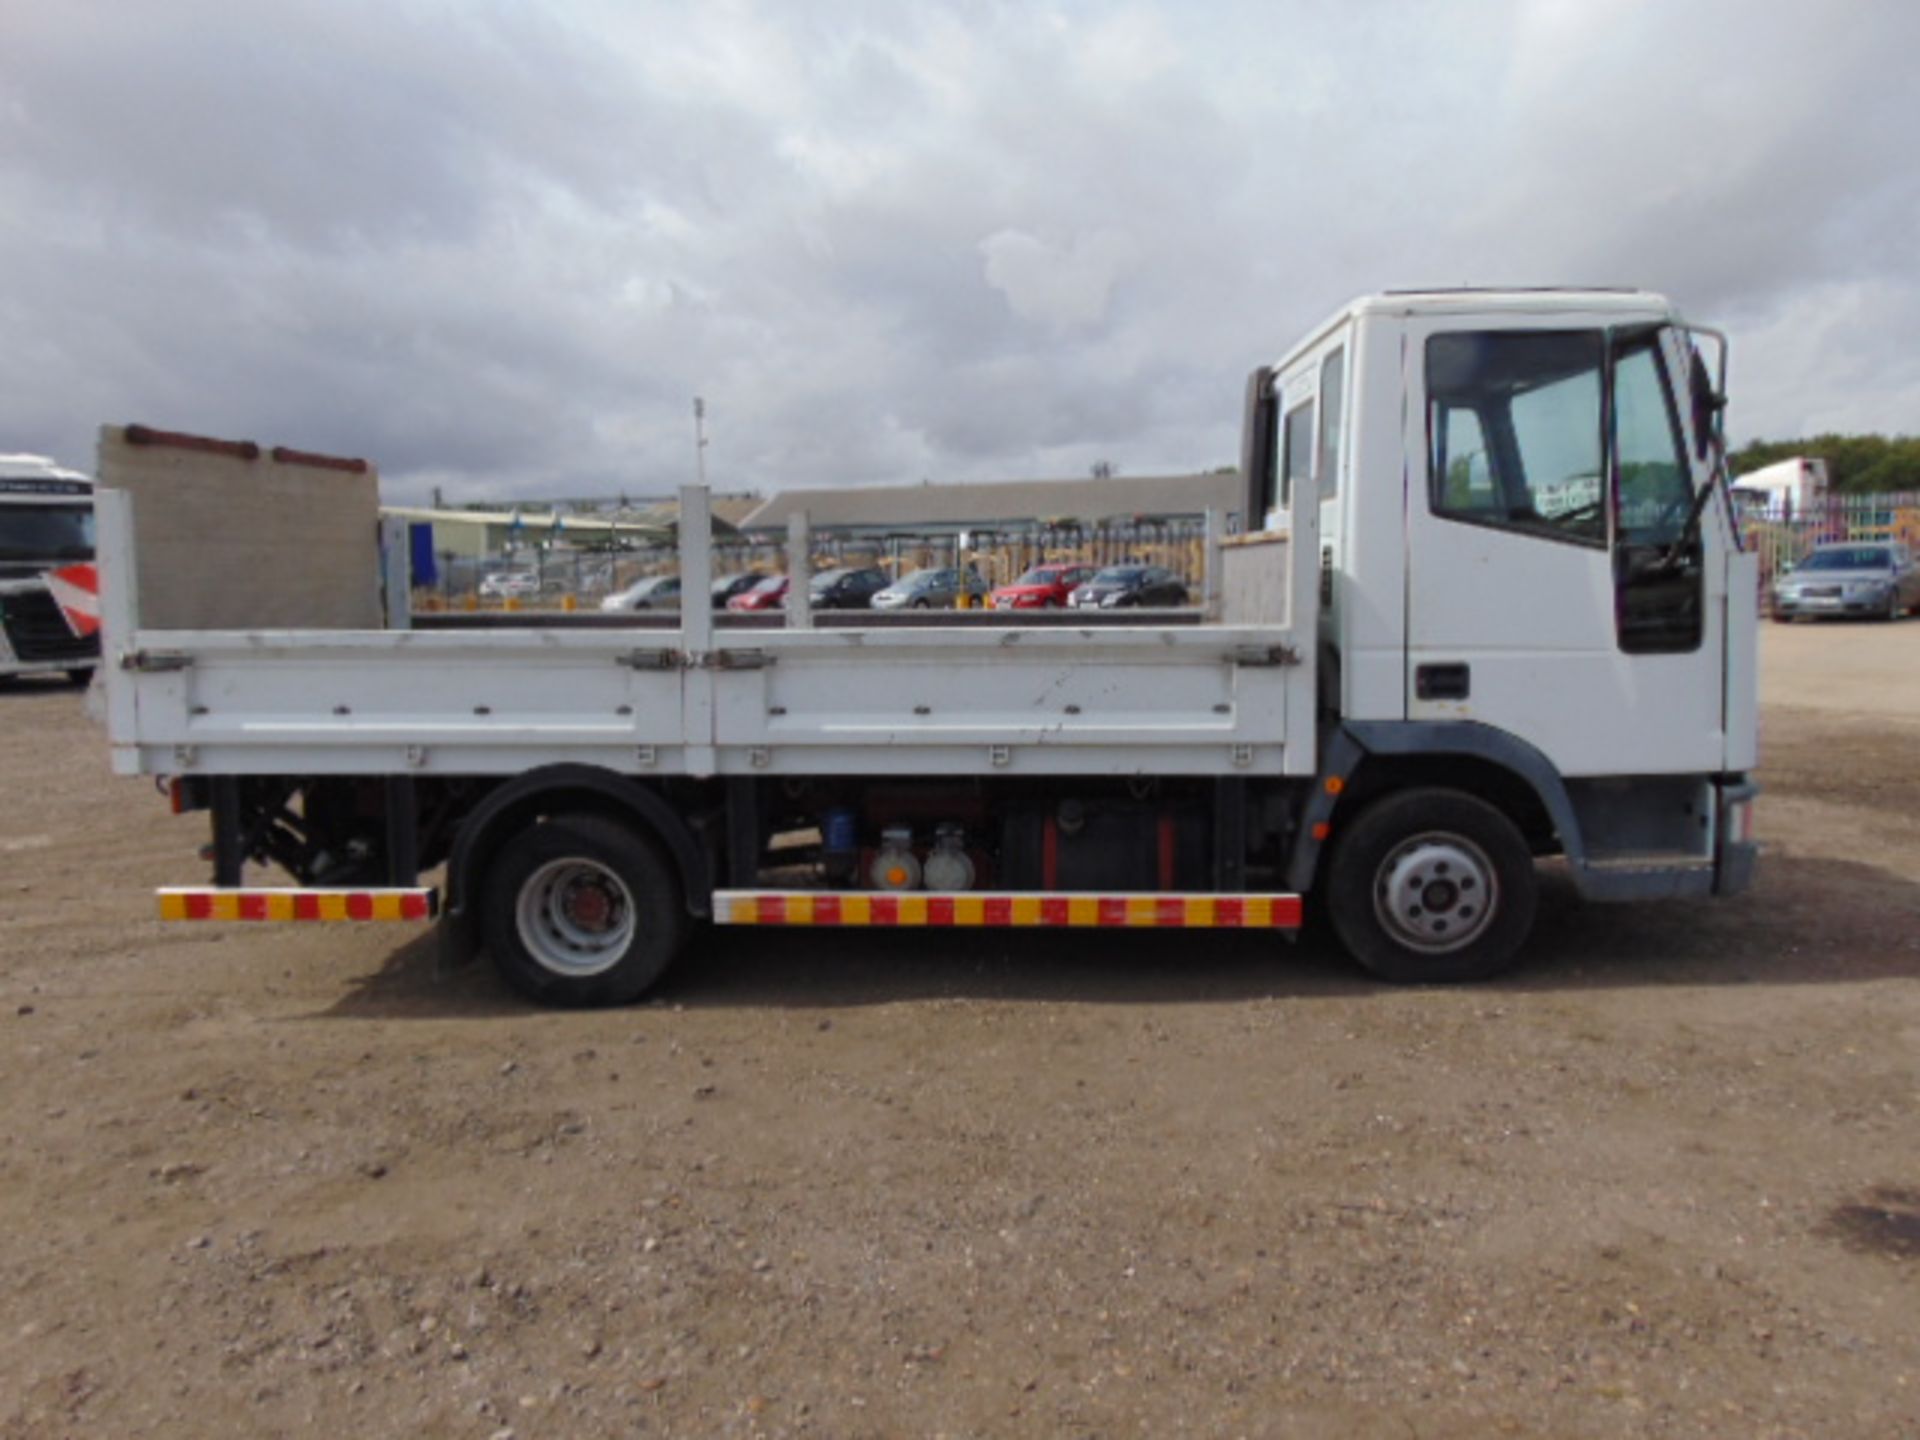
[1431, 886]
[581, 910]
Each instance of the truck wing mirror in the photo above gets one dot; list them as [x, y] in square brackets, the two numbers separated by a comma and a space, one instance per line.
[1707, 405]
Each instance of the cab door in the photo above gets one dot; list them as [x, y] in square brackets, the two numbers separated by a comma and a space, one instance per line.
[1552, 589]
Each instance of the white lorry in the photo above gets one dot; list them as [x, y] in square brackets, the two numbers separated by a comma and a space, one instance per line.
[46, 524]
[1785, 490]
[1498, 612]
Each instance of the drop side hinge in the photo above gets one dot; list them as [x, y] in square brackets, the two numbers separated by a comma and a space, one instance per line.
[152, 662]
[1266, 655]
[650, 659]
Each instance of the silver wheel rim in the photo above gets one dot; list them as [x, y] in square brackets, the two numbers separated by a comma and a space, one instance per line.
[576, 917]
[1436, 893]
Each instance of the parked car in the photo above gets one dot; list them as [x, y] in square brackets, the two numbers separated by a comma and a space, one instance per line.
[1119, 585]
[1045, 587]
[931, 589]
[725, 587]
[1876, 578]
[502, 583]
[655, 592]
[769, 594]
[845, 589]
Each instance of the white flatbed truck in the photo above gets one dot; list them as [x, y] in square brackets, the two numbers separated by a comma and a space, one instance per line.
[1491, 607]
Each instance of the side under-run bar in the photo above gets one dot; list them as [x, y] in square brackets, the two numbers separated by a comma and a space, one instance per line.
[1006, 910]
[213, 903]
[909, 909]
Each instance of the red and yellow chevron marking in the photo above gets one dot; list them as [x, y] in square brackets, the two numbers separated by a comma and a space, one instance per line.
[210, 903]
[1006, 911]
[76, 590]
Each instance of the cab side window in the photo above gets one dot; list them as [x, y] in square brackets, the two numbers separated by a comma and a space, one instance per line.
[1333, 407]
[1659, 574]
[1514, 431]
[1655, 488]
[1296, 452]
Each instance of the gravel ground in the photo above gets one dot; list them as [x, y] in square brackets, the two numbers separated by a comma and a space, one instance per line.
[1664, 1180]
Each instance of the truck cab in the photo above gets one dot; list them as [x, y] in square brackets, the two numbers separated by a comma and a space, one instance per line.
[1529, 567]
[46, 524]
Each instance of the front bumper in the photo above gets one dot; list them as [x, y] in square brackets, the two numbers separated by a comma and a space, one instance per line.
[1796, 607]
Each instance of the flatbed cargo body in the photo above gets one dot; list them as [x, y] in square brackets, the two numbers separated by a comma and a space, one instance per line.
[1193, 700]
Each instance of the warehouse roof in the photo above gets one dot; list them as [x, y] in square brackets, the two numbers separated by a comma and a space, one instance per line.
[1003, 502]
[654, 524]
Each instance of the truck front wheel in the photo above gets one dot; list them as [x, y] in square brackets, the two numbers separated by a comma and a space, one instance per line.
[1431, 886]
[581, 910]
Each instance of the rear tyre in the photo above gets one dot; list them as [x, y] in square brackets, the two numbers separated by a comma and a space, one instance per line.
[921, 605]
[1431, 886]
[580, 910]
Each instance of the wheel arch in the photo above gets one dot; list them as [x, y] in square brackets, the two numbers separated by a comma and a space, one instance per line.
[571, 787]
[1368, 759]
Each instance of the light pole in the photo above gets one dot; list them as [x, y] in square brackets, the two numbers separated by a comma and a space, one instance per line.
[700, 439]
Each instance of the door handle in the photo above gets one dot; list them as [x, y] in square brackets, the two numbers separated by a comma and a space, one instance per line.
[1453, 681]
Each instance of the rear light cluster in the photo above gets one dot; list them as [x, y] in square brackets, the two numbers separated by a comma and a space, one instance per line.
[187, 794]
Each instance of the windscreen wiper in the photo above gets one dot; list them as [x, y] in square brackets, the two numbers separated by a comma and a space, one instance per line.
[1675, 554]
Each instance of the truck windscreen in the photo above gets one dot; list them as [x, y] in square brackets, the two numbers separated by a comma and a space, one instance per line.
[46, 532]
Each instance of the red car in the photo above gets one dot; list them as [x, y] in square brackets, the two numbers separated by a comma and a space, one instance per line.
[1045, 587]
[769, 594]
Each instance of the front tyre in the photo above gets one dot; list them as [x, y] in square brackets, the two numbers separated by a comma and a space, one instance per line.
[1431, 886]
[580, 910]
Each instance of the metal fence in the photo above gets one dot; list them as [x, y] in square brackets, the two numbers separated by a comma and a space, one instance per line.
[1782, 536]
[569, 579]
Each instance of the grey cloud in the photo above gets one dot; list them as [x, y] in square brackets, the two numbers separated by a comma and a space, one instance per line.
[1064, 288]
[500, 248]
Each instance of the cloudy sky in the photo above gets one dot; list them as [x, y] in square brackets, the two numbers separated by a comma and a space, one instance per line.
[499, 247]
